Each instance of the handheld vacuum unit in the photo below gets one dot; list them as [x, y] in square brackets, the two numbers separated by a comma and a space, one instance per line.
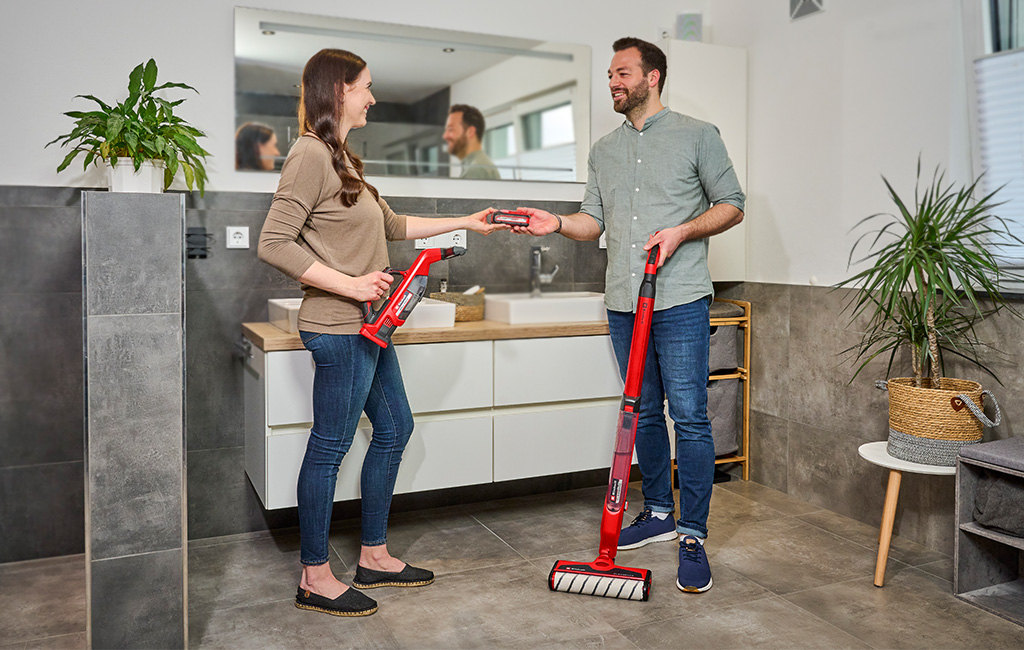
[380, 324]
[603, 577]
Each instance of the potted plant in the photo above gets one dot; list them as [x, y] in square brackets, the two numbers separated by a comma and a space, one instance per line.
[140, 132]
[934, 275]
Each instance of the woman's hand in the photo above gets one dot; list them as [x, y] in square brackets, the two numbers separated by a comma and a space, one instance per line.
[369, 287]
[477, 222]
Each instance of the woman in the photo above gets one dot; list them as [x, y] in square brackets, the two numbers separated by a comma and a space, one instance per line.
[255, 147]
[327, 228]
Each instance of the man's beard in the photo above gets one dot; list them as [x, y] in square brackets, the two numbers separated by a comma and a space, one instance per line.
[458, 147]
[636, 98]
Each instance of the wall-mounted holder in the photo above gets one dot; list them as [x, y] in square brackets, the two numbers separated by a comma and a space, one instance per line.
[197, 242]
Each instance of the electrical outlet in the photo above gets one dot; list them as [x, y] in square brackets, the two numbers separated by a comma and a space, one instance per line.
[458, 238]
[237, 237]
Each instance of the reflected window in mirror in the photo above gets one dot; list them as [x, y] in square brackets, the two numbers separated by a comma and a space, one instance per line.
[534, 96]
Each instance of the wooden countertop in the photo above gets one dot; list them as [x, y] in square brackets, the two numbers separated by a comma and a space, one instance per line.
[271, 338]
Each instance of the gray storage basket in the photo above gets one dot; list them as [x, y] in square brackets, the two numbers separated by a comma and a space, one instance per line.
[725, 410]
[724, 353]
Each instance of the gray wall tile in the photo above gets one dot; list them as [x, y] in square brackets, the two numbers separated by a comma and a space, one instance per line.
[40, 249]
[143, 603]
[42, 511]
[132, 270]
[213, 374]
[135, 436]
[41, 382]
[221, 501]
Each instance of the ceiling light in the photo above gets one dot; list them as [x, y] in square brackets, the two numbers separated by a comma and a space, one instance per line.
[268, 32]
[448, 50]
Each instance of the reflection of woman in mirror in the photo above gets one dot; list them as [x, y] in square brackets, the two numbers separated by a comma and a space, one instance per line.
[327, 227]
[255, 147]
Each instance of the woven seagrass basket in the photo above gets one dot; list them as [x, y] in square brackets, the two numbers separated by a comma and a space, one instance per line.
[929, 425]
[467, 307]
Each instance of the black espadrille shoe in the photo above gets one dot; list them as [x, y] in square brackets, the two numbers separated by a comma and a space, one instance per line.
[410, 576]
[350, 603]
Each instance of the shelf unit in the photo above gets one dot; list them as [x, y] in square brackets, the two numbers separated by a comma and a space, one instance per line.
[742, 373]
[987, 564]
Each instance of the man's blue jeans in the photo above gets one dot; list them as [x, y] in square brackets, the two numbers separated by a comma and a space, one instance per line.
[352, 375]
[676, 368]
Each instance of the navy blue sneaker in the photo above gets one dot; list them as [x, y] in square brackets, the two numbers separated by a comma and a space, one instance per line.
[694, 571]
[647, 528]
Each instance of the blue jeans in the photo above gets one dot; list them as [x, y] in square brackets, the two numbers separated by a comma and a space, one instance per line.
[677, 368]
[352, 375]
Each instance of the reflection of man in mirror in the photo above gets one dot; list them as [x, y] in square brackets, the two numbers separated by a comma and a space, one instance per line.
[255, 147]
[463, 132]
[660, 178]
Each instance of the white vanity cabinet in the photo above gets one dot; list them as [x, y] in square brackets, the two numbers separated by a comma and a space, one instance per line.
[560, 399]
[485, 411]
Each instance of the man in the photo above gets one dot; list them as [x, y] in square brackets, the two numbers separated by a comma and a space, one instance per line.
[463, 132]
[663, 179]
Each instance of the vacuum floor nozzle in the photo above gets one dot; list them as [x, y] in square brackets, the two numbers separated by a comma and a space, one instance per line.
[590, 580]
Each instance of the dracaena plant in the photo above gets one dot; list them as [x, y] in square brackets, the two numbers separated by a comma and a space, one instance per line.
[934, 274]
[142, 127]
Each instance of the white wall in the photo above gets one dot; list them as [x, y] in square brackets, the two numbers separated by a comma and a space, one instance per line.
[55, 49]
[836, 100]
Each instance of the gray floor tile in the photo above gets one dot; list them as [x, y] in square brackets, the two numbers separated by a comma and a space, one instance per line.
[507, 606]
[442, 543]
[941, 569]
[900, 548]
[767, 623]
[282, 625]
[41, 599]
[767, 496]
[729, 508]
[666, 601]
[913, 610]
[786, 555]
[245, 572]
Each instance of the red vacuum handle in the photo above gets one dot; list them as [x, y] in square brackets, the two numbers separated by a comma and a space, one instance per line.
[641, 332]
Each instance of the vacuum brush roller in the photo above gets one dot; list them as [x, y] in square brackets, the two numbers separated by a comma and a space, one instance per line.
[585, 578]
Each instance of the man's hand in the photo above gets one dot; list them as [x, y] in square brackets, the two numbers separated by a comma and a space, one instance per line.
[541, 223]
[669, 240]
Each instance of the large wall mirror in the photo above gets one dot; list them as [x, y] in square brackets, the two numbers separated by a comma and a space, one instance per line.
[534, 98]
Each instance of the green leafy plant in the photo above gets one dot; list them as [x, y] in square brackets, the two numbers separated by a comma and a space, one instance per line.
[142, 127]
[934, 276]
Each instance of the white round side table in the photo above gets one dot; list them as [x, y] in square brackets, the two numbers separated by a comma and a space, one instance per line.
[875, 452]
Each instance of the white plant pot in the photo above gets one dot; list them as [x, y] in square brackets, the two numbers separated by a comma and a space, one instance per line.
[148, 180]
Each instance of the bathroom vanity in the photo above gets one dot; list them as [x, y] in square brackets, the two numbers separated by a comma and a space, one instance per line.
[492, 402]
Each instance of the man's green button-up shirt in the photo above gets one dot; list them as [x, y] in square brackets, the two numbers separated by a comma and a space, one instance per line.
[643, 181]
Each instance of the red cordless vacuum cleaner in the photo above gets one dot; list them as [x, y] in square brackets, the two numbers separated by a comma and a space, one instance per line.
[603, 577]
[379, 325]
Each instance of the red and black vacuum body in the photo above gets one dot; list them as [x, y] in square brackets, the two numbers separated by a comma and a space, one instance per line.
[603, 577]
[380, 324]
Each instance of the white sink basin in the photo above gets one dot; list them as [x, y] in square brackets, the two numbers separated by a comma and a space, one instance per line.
[431, 313]
[284, 313]
[556, 307]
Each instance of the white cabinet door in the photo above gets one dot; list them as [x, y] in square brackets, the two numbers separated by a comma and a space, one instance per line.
[554, 441]
[442, 453]
[531, 371]
[289, 387]
[447, 376]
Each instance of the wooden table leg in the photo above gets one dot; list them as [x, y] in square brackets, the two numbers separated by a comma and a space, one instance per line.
[892, 495]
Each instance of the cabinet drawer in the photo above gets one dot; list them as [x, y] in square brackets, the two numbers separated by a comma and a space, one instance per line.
[289, 377]
[440, 454]
[447, 376]
[554, 441]
[552, 370]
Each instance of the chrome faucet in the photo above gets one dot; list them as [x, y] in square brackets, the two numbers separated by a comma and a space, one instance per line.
[538, 278]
